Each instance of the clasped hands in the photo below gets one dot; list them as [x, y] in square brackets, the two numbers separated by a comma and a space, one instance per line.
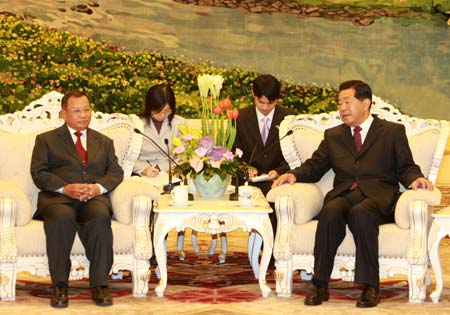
[82, 192]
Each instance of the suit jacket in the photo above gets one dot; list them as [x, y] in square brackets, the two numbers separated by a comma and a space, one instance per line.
[248, 138]
[385, 160]
[55, 163]
[149, 153]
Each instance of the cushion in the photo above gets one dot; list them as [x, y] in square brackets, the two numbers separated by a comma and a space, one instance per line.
[23, 205]
[121, 135]
[30, 240]
[122, 197]
[303, 240]
[423, 146]
[15, 165]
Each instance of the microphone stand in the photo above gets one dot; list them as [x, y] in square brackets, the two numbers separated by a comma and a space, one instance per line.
[168, 188]
[167, 155]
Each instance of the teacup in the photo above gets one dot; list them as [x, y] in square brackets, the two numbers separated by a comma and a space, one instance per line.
[180, 195]
[248, 195]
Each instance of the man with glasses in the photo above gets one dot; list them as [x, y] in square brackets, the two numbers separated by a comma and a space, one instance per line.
[75, 167]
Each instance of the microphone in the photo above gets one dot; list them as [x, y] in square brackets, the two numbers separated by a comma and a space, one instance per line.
[167, 155]
[168, 188]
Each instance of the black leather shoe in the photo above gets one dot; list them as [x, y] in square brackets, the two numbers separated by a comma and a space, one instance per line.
[317, 296]
[101, 296]
[59, 298]
[370, 297]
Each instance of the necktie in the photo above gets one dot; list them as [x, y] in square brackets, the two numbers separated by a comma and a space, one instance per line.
[265, 129]
[81, 151]
[357, 138]
[358, 145]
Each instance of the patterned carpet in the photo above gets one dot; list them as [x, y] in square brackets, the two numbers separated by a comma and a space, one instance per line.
[200, 285]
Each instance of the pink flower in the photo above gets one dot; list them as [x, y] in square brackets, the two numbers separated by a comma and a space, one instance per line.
[228, 155]
[196, 164]
[180, 149]
[201, 151]
[188, 136]
[216, 164]
[239, 152]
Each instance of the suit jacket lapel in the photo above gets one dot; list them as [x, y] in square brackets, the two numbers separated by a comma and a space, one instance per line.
[347, 139]
[375, 129]
[253, 121]
[67, 141]
[92, 144]
[273, 132]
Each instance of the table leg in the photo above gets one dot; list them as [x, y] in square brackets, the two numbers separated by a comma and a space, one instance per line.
[161, 258]
[435, 237]
[265, 231]
[254, 247]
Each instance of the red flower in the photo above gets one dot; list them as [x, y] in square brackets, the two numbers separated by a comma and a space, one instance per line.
[225, 103]
[232, 114]
[217, 110]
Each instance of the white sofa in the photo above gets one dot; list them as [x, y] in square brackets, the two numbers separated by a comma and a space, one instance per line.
[403, 244]
[22, 239]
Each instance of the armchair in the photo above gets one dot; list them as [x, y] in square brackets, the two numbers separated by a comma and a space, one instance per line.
[22, 239]
[402, 245]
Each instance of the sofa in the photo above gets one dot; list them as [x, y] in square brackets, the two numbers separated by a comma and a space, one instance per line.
[403, 244]
[22, 239]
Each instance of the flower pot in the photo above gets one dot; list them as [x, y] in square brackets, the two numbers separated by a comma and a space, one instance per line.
[215, 187]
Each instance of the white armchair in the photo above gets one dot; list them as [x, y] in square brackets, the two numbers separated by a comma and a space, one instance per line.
[22, 239]
[402, 245]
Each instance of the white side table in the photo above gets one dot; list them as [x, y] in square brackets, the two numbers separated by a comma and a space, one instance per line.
[439, 229]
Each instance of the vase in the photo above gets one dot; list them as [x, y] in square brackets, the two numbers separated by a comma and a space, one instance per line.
[215, 187]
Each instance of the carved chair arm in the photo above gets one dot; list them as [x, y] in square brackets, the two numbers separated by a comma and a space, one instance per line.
[122, 198]
[8, 248]
[294, 204]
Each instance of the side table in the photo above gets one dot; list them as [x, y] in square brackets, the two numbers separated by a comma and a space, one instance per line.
[439, 229]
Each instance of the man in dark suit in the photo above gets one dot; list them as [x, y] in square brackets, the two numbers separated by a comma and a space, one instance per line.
[75, 167]
[257, 134]
[370, 157]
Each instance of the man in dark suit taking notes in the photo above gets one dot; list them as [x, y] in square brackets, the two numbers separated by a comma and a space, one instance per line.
[369, 157]
[75, 167]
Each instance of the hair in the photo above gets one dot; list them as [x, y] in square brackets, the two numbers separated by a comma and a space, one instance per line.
[157, 97]
[69, 94]
[266, 85]
[362, 89]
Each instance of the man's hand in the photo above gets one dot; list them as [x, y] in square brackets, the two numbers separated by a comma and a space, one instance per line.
[273, 175]
[252, 172]
[82, 192]
[422, 183]
[285, 178]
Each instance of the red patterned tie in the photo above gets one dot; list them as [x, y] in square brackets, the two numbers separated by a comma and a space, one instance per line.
[79, 146]
[357, 138]
[358, 145]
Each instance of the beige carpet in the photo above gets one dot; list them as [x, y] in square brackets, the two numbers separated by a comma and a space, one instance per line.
[28, 304]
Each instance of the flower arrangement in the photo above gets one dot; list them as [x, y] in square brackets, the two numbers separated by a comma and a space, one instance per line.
[202, 155]
[218, 119]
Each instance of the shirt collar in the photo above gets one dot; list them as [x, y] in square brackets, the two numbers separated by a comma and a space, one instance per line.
[260, 116]
[365, 124]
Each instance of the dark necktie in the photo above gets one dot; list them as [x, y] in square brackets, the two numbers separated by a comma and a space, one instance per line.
[81, 151]
[358, 145]
[357, 138]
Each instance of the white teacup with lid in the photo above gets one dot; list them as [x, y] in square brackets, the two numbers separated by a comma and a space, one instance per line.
[180, 195]
[248, 195]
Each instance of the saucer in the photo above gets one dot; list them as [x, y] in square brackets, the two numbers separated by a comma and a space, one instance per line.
[171, 203]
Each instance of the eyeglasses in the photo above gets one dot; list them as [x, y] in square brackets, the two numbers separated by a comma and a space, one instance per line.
[164, 112]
